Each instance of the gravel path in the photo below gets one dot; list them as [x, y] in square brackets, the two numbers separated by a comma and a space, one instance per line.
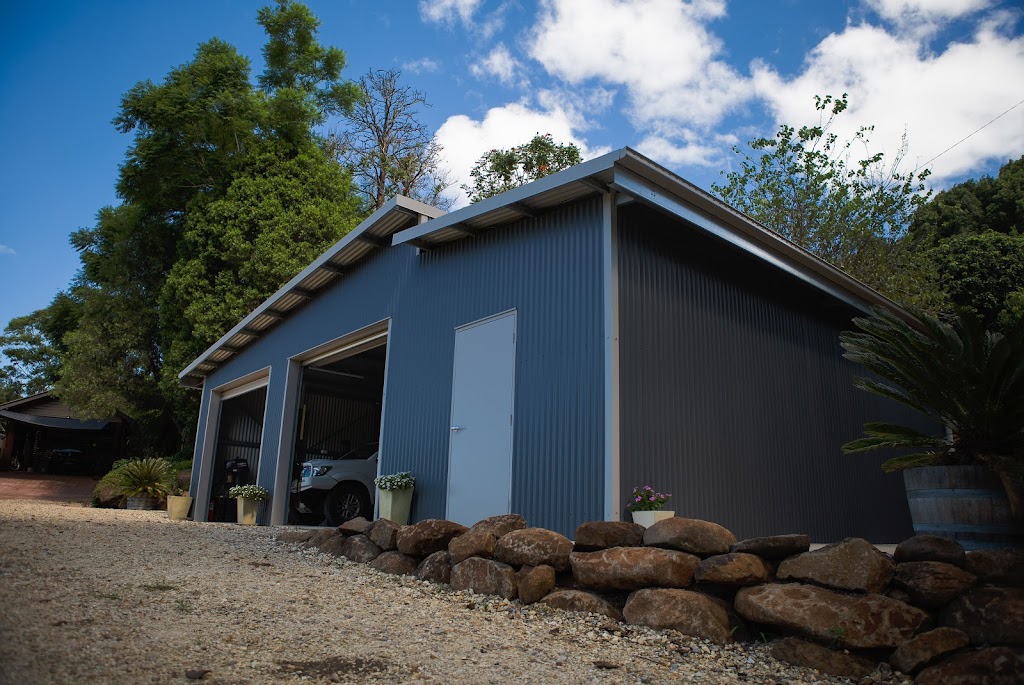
[111, 596]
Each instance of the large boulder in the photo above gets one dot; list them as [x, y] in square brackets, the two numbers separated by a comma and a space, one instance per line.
[485, 576]
[473, 543]
[931, 584]
[333, 545]
[702, 538]
[853, 564]
[988, 614]
[992, 666]
[356, 526]
[395, 563]
[360, 548]
[633, 568]
[855, 621]
[923, 649]
[597, 535]
[577, 600]
[533, 547]
[320, 537]
[501, 524]
[997, 566]
[733, 569]
[384, 534]
[691, 613]
[437, 568]
[797, 652]
[426, 537]
[929, 548]
[774, 547]
[535, 583]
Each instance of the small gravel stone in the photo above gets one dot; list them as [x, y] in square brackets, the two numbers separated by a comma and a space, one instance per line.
[125, 597]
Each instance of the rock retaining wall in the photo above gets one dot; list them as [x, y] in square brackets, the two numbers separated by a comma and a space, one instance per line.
[930, 610]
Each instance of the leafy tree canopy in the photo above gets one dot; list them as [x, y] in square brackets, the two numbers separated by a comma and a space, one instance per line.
[806, 184]
[32, 347]
[501, 170]
[975, 206]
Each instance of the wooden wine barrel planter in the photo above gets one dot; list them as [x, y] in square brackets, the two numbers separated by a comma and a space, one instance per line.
[966, 503]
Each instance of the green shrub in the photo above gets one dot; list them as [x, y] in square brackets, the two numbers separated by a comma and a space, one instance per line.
[144, 478]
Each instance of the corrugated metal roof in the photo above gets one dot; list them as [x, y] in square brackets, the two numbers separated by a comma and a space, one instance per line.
[372, 234]
[633, 176]
[637, 178]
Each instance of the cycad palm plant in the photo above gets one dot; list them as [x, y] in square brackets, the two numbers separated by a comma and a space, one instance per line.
[969, 379]
[144, 478]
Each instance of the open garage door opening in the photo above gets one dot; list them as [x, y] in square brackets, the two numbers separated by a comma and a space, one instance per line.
[338, 429]
[239, 441]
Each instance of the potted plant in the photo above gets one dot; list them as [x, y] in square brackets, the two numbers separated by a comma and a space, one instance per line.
[395, 496]
[249, 498]
[647, 506]
[144, 482]
[178, 503]
[971, 382]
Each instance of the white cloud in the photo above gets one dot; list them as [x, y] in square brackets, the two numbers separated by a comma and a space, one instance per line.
[448, 11]
[7, 250]
[425, 65]
[659, 50]
[686, 147]
[465, 139]
[501, 64]
[921, 17]
[896, 84]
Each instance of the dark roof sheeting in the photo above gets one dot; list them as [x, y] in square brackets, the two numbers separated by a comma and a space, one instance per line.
[52, 422]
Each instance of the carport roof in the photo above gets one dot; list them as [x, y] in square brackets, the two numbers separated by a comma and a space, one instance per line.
[627, 173]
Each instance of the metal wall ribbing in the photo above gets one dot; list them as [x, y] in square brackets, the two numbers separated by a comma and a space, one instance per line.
[549, 270]
[734, 394]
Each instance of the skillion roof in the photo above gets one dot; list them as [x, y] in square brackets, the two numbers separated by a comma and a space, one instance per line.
[633, 177]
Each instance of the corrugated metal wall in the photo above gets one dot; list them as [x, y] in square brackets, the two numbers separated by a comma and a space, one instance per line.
[547, 268]
[735, 397]
[336, 425]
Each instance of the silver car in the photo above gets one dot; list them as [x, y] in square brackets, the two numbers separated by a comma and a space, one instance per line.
[336, 490]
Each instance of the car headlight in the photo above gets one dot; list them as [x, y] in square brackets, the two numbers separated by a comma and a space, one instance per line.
[320, 470]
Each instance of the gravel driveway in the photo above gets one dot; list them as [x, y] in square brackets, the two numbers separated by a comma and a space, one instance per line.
[111, 596]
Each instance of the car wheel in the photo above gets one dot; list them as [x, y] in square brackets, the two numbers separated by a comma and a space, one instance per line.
[344, 502]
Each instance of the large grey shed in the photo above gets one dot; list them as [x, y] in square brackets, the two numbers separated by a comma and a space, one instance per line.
[545, 350]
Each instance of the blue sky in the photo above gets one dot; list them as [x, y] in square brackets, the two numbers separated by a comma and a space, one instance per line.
[680, 81]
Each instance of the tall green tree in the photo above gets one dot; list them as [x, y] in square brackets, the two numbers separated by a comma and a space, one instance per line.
[971, 236]
[226, 192]
[806, 185]
[33, 348]
[499, 170]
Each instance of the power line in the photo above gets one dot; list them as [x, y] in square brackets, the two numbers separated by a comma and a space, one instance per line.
[968, 136]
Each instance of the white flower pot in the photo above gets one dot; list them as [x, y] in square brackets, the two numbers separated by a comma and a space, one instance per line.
[649, 518]
[247, 510]
[178, 506]
[395, 505]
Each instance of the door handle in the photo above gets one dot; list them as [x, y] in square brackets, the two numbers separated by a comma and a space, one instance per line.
[455, 428]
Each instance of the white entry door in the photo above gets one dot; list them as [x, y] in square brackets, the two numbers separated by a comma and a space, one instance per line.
[480, 448]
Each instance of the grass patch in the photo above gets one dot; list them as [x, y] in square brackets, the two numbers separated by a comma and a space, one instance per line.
[158, 587]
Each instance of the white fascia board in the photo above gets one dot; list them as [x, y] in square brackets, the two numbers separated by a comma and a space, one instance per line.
[397, 203]
[516, 195]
